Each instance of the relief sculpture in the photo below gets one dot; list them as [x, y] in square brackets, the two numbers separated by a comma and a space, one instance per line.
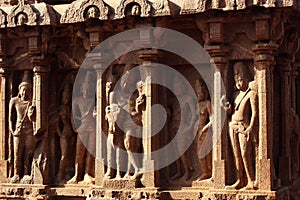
[243, 115]
[184, 166]
[64, 127]
[83, 112]
[204, 142]
[21, 115]
[125, 110]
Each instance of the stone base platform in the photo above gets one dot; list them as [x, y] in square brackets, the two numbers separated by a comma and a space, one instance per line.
[78, 192]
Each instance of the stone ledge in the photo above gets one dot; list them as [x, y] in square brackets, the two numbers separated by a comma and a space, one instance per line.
[78, 11]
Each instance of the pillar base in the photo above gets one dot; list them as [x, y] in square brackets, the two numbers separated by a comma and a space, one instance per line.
[264, 174]
[219, 174]
[149, 179]
[3, 171]
[99, 171]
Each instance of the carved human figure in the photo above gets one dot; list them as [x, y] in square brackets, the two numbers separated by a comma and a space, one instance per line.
[243, 111]
[21, 19]
[66, 131]
[125, 110]
[21, 115]
[92, 12]
[135, 10]
[187, 105]
[204, 139]
[83, 111]
[114, 137]
[132, 140]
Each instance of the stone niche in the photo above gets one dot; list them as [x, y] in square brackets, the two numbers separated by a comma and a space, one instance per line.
[82, 122]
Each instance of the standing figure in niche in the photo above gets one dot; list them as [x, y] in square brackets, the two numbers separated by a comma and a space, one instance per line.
[243, 111]
[125, 109]
[21, 115]
[204, 141]
[133, 144]
[188, 106]
[114, 138]
[83, 107]
[64, 117]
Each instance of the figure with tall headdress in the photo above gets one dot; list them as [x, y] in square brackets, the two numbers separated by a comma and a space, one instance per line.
[186, 104]
[21, 115]
[83, 114]
[243, 114]
[204, 142]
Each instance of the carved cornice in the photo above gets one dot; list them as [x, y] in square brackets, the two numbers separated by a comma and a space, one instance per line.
[31, 15]
[81, 10]
[20, 15]
[46, 15]
[145, 8]
[78, 11]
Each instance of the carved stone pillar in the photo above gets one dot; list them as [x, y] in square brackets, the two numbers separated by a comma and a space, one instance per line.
[264, 64]
[284, 64]
[3, 124]
[150, 177]
[40, 96]
[219, 63]
[99, 67]
[293, 85]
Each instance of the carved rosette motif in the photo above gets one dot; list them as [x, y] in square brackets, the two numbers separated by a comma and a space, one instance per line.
[144, 5]
[20, 9]
[77, 10]
[161, 7]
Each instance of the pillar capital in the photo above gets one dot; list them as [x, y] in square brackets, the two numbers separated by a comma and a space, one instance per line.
[40, 69]
[217, 50]
[3, 71]
[265, 52]
[285, 64]
[148, 55]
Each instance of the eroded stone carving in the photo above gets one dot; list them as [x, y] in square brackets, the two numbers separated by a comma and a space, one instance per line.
[204, 142]
[21, 115]
[46, 14]
[21, 14]
[242, 133]
[114, 140]
[125, 110]
[83, 111]
[161, 7]
[79, 11]
[64, 117]
[175, 110]
[135, 10]
[126, 5]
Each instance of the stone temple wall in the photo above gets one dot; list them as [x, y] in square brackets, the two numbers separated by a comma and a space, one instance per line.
[79, 86]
